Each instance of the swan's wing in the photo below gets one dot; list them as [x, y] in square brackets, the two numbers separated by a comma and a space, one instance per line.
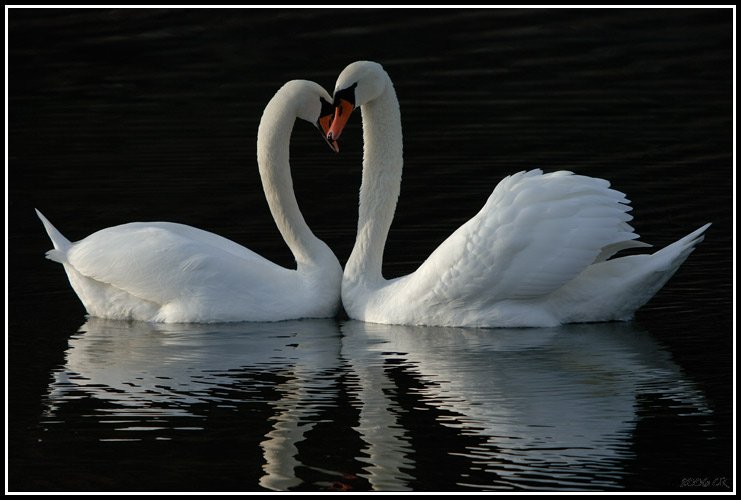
[535, 233]
[161, 261]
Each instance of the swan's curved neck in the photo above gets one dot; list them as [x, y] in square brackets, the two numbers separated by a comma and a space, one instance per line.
[273, 138]
[379, 191]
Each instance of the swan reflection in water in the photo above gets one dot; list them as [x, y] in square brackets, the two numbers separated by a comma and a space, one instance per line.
[159, 372]
[552, 407]
[506, 408]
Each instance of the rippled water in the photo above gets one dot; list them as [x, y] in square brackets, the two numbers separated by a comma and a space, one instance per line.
[352, 405]
[117, 115]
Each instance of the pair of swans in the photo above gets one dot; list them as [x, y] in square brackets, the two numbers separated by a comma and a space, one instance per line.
[535, 255]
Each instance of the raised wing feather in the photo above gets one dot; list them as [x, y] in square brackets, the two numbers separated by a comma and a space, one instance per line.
[535, 234]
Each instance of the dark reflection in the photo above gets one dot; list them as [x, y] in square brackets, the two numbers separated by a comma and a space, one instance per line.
[316, 405]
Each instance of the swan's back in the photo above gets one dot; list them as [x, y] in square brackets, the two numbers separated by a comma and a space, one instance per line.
[535, 255]
[161, 271]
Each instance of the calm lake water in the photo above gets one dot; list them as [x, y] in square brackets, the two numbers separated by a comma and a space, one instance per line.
[123, 115]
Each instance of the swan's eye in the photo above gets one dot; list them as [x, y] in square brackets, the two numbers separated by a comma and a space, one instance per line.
[325, 116]
[326, 109]
[347, 94]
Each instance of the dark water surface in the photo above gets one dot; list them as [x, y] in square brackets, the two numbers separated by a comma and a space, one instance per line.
[123, 115]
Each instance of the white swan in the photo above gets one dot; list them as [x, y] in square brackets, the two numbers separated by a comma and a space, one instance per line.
[167, 272]
[535, 255]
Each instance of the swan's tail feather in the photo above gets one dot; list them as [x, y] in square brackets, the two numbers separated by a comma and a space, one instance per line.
[677, 252]
[61, 244]
[665, 263]
[614, 289]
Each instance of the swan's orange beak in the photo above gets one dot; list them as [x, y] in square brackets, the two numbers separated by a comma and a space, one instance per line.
[342, 112]
[324, 124]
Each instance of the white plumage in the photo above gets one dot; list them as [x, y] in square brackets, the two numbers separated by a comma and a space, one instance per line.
[535, 255]
[167, 272]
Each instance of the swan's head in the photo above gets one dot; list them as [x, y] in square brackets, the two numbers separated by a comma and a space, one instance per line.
[358, 84]
[313, 104]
